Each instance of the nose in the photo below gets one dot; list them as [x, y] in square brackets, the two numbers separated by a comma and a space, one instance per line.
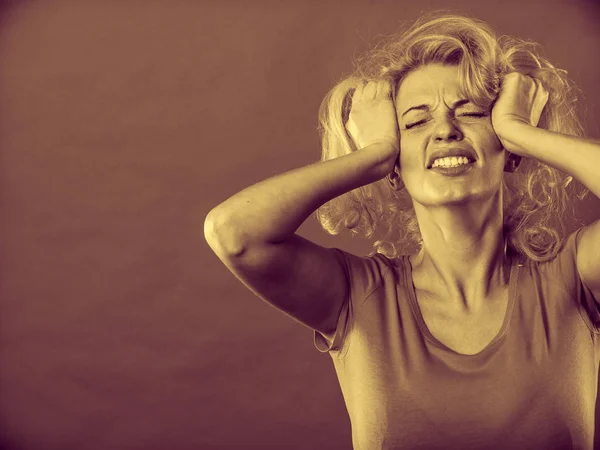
[445, 130]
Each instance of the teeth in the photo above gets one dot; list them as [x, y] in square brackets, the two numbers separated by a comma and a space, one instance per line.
[450, 161]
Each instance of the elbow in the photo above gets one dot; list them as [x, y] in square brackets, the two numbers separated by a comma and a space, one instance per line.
[209, 229]
[222, 237]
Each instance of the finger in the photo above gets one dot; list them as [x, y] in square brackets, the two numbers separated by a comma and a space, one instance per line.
[384, 89]
[358, 92]
[370, 90]
[534, 88]
[534, 73]
[543, 90]
[539, 102]
[509, 78]
[540, 93]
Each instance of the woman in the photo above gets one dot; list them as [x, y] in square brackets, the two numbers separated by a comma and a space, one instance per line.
[488, 336]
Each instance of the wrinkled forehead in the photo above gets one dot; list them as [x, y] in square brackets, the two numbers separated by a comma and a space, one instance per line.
[429, 84]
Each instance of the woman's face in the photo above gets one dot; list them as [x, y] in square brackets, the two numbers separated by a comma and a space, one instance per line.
[444, 120]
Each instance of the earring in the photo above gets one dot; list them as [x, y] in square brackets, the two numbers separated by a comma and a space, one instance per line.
[397, 181]
[513, 162]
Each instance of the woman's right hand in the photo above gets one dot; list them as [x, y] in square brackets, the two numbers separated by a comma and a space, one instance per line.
[373, 118]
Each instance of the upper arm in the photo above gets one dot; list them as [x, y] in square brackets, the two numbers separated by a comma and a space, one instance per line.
[297, 276]
[588, 258]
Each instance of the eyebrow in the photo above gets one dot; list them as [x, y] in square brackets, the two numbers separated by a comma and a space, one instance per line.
[425, 107]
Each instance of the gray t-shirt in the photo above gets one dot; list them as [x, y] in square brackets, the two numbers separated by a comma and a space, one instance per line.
[533, 387]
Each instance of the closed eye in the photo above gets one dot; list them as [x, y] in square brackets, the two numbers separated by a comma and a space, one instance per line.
[410, 125]
[474, 114]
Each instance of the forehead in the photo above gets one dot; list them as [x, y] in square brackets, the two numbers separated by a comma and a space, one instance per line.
[427, 83]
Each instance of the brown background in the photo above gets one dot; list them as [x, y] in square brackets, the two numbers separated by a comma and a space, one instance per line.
[122, 123]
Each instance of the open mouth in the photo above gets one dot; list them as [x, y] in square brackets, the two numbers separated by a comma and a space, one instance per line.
[451, 163]
[453, 171]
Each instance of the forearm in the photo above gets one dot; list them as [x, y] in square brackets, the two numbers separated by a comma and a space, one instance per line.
[573, 155]
[272, 210]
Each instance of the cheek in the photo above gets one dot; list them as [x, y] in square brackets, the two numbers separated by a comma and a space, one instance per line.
[483, 137]
[490, 142]
[409, 153]
[487, 137]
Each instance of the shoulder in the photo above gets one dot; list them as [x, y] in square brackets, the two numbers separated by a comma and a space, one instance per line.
[366, 273]
[587, 257]
[577, 263]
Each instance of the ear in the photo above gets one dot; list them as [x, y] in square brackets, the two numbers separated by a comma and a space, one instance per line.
[395, 179]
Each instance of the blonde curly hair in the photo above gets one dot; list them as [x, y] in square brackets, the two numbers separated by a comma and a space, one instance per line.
[533, 195]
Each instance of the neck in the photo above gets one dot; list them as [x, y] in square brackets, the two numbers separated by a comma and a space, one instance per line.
[463, 255]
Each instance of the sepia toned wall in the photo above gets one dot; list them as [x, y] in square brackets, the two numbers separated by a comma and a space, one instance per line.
[122, 124]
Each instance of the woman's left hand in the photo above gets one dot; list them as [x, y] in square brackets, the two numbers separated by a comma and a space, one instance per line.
[521, 100]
